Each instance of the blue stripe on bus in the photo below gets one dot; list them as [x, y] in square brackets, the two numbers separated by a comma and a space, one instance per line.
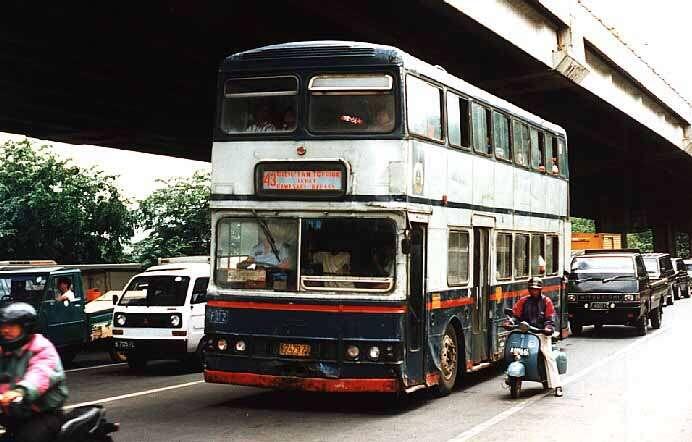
[403, 199]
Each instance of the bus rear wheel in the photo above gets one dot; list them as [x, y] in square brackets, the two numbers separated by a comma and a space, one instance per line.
[449, 362]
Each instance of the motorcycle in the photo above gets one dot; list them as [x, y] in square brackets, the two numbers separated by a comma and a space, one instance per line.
[522, 356]
[81, 424]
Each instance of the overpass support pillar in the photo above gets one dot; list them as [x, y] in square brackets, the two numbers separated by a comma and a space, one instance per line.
[664, 238]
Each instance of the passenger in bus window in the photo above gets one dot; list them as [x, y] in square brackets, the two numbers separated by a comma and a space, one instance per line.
[289, 121]
[262, 120]
[334, 263]
[555, 170]
[384, 122]
[383, 261]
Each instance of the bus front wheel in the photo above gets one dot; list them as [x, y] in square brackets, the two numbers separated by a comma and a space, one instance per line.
[449, 361]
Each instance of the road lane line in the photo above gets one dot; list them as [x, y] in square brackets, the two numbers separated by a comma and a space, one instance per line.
[72, 370]
[131, 395]
[476, 430]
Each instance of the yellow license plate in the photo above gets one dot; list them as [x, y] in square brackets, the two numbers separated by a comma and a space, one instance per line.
[301, 350]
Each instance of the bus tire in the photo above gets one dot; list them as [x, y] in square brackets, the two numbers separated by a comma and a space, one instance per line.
[449, 361]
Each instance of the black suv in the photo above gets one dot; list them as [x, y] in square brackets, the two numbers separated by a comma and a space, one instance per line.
[660, 269]
[681, 286]
[612, 287]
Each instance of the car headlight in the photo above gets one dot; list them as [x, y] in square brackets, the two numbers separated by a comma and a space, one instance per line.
[175, 320]
[222, 344]
[120, 319]
[571, 297]
[374, 352]
[352, 351]
[240, 346]
[628, 297]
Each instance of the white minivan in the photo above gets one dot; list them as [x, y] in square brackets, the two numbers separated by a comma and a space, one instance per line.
[160, 314]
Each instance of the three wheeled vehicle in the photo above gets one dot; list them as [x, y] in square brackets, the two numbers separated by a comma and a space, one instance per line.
[613, 287]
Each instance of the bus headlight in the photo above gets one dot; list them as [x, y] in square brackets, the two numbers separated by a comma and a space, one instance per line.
[374, 352]
[222, 344]
[175, 320]
[352, 351]
[240, 346]
[120, 319]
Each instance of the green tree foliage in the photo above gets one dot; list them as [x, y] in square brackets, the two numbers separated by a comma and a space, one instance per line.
[52, 209]
[644, 241]
[583, 225]
[176, 219]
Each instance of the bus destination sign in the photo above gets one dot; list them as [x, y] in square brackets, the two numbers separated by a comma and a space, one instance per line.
[310, 180]
[301, 179]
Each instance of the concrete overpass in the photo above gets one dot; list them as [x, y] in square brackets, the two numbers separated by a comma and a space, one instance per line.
[142, 76]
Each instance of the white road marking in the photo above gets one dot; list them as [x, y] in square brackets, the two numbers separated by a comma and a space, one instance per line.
[131, 395]
[94, 367]
[475, 431]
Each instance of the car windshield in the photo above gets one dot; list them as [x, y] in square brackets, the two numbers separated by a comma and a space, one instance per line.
[24, 288]
[651, 265]
[336, 254]
[156, 291]
[603, 264]
[352, 103]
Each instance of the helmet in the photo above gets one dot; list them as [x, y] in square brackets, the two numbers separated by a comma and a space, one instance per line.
[22, 314]
[535, 283]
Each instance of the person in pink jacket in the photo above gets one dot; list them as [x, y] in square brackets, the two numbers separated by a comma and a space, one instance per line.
[32, 380]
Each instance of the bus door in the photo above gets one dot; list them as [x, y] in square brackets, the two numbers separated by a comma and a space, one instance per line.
[481, 292]
[416, 311]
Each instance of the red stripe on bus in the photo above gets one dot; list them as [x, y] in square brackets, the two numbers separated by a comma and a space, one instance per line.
[449, 303]
[340, 308]
[305, 384]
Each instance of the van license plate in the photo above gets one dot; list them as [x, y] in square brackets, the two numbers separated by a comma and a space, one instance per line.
[301, 350]
[124, 345]
[599, 306]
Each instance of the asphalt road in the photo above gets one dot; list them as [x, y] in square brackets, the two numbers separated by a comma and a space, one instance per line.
[619, 387]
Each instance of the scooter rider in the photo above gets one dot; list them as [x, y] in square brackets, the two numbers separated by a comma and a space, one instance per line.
[32, 380]
[538, 310]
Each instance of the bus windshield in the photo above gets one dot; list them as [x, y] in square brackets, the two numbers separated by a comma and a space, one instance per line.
[336, 254]
[25, 288]
[156, 291]
[352, 103]
[260, 105]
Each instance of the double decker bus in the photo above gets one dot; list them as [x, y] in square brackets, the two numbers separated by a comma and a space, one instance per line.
[372, 216]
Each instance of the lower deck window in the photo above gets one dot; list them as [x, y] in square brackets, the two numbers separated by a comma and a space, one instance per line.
[503, 256]
[458, 258]
[521, 256]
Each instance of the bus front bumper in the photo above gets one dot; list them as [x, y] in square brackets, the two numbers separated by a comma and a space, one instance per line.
[303, 384]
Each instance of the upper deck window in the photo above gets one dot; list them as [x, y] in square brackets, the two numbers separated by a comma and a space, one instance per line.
[562, 158]
[352, 103]
[424, 108]
[501, 137]
[521, 142]
[458, 132]
[259, 105]
[482, 122]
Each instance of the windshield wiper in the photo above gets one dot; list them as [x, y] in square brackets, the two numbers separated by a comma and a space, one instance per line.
[268, 234]
[617, 277]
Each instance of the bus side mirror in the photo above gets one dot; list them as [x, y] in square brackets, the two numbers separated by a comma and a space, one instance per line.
[115, 299]
[406, 246]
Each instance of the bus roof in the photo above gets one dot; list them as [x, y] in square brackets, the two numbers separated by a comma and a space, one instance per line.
[324, 53]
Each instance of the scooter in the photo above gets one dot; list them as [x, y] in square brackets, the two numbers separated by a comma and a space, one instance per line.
[523, 356]
[82, 424]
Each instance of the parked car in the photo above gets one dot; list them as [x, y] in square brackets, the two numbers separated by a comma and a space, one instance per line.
[688, 266]
[681, 286]
[612, 287]
[660, 269]
[160, 314]
[69, 325]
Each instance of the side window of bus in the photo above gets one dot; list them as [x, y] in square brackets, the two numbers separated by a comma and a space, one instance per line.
[520, 143]
[537, 255]
[503, 261]
[457, 121]
[537, 150]
[552, 258]
[551, 164]
[501, 137]
[563, 159]
[424, 108]
[481, 120]
[199, 291]
[458, 258]
[521, 256]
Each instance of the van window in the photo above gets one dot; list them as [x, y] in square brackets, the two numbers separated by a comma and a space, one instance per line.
[199, 291]
[163, 290]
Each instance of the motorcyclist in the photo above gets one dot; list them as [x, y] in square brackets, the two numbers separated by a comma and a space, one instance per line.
[32, 380]
[538, 310]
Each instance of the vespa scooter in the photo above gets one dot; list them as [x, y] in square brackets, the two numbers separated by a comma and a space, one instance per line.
[523, 356]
